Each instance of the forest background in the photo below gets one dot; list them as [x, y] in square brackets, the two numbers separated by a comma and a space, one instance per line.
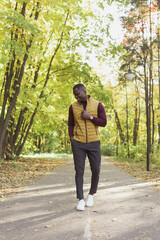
[46, 47]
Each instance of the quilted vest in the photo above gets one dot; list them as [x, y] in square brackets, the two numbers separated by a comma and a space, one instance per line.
[84, 130]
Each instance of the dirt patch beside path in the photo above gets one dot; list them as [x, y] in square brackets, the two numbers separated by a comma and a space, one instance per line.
[139, 172]
[16, 174]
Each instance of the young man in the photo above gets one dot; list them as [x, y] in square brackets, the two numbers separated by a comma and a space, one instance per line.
[85, 115]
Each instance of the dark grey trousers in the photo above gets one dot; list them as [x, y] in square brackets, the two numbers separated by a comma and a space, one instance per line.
[80, 151]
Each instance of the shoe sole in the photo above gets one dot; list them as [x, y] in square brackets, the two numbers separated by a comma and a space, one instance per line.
[80, 209]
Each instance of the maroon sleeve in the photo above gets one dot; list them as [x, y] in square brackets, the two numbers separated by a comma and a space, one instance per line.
[102, 118]
[70, 122]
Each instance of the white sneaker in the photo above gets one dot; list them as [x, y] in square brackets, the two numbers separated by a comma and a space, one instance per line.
[89, 202]
[81, 205]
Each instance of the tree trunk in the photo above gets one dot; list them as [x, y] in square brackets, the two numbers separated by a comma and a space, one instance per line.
[151, 84]
[127, 125]
[121, 134]
[159, 74]
[136, 117]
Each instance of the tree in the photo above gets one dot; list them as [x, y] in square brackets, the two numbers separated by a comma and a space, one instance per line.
[38, 53]
[32, 44]
[140, 52]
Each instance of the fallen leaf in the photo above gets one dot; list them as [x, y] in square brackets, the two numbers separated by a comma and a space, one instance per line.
[114, 220]
[48, 226]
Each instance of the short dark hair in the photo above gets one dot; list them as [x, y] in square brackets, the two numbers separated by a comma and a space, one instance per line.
[79, 85]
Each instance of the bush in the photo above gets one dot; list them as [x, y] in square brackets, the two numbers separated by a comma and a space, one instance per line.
[155, 157]
[107, 149]
[138, 153]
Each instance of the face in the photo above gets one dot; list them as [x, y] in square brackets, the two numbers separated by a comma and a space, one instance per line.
[80, 94]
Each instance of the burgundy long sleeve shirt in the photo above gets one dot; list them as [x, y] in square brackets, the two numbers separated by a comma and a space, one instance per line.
[101, 120]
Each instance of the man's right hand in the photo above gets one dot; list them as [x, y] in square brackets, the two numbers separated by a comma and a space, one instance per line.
[71, 138]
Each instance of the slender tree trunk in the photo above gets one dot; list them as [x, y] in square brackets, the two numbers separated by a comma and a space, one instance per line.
[159, 75]
[136, 117]
[147, 100]
[9, 133]
[127, 125]
[151, 84]
[117, 120]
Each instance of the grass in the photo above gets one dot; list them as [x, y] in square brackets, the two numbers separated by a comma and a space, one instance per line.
[48, 155]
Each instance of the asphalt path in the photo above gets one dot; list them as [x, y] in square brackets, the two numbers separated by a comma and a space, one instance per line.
[124, 208]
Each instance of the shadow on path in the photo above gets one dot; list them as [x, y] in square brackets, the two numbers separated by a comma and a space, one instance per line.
[125, 208]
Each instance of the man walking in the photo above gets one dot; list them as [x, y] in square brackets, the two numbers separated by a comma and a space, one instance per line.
[85, 116]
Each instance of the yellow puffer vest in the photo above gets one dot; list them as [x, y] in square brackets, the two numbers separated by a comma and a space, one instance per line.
[84, 130]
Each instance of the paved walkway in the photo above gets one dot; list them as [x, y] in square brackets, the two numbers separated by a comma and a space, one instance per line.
[125, 209]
